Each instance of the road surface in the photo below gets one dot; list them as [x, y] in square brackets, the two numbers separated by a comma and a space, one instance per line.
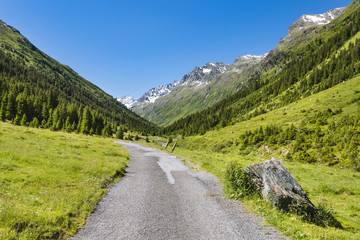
[161, 198]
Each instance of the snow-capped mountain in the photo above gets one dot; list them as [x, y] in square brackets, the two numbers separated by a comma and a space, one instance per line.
[127, 101]
[199, 76]
[242, 62]
[306, 21]
[154, 93]
[305, 28]
[203, 75]
[250, 57]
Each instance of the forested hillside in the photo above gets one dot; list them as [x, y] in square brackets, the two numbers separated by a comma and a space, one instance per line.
[37, 90]
[330, 135]
[324, 61]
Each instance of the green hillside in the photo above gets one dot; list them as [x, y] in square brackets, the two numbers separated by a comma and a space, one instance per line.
[324, 61]
[39, 91]
[319, 147]
[186, 100]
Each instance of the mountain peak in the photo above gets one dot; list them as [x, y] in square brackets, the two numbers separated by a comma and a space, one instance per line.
[250, 57]
[204, 74]
[128, 101]
[311, 20]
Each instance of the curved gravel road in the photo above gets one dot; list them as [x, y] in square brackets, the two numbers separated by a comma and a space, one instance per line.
[161, 198]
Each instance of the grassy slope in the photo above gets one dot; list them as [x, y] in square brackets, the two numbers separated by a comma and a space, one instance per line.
[336, 98]
[338, 187]
[51, 181]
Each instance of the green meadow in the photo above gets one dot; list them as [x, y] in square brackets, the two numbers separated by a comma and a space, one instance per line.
[51, 181]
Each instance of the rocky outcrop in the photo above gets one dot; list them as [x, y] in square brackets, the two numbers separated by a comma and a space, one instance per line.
[277, 185]
[203, 75]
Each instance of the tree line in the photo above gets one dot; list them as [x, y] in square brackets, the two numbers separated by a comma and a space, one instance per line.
[50, 95]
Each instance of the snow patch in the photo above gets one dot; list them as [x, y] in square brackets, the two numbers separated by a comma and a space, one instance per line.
[206, 70]
[318, 19]
[128, 101]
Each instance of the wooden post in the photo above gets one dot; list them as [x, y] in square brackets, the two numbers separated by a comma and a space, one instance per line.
[173, 147]
[166, 145]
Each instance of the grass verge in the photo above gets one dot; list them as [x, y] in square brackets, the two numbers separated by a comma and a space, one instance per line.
[51, 181]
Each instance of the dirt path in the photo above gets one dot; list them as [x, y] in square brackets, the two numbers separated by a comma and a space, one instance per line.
[161, 198]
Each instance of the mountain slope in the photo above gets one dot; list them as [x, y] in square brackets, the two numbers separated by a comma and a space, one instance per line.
[328, 58]
[183, 99]
[33, 85]
[198, 89]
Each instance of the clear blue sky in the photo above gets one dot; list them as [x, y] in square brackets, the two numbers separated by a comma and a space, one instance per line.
[127, 46]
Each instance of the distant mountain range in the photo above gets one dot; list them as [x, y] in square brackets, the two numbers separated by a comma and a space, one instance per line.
[211, 83]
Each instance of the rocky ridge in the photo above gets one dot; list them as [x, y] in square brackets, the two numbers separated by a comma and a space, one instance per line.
[199, 76]
[305, 28]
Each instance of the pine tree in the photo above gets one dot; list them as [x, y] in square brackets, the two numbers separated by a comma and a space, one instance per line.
[34, 122]
[23, 120]
[10, 109]
[17, 120]
[86, 121]
[2, 109]
[107, 130]
[68, 125]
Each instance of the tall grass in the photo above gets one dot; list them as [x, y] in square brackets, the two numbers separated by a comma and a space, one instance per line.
[51, 181]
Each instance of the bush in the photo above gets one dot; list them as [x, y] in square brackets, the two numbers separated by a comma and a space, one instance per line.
[238, 183]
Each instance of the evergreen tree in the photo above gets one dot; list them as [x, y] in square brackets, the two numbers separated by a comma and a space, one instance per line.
[24, 120]
[17, 119]
[86, 121]
[2, 108]
[34, 122]
[10, 112]
[107, 130]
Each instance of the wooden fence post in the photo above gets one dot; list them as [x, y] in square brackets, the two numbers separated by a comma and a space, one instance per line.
[173, 147]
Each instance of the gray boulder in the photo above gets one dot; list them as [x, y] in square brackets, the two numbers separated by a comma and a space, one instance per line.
[277, 185]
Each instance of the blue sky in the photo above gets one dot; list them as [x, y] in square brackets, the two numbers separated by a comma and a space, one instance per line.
[127, 47]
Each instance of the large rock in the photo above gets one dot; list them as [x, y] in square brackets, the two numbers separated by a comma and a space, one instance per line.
[277, 185]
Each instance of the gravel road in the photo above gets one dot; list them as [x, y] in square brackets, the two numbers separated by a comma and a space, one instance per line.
[161, 198]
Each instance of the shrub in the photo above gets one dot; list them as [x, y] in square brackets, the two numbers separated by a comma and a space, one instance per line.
[238, 183]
